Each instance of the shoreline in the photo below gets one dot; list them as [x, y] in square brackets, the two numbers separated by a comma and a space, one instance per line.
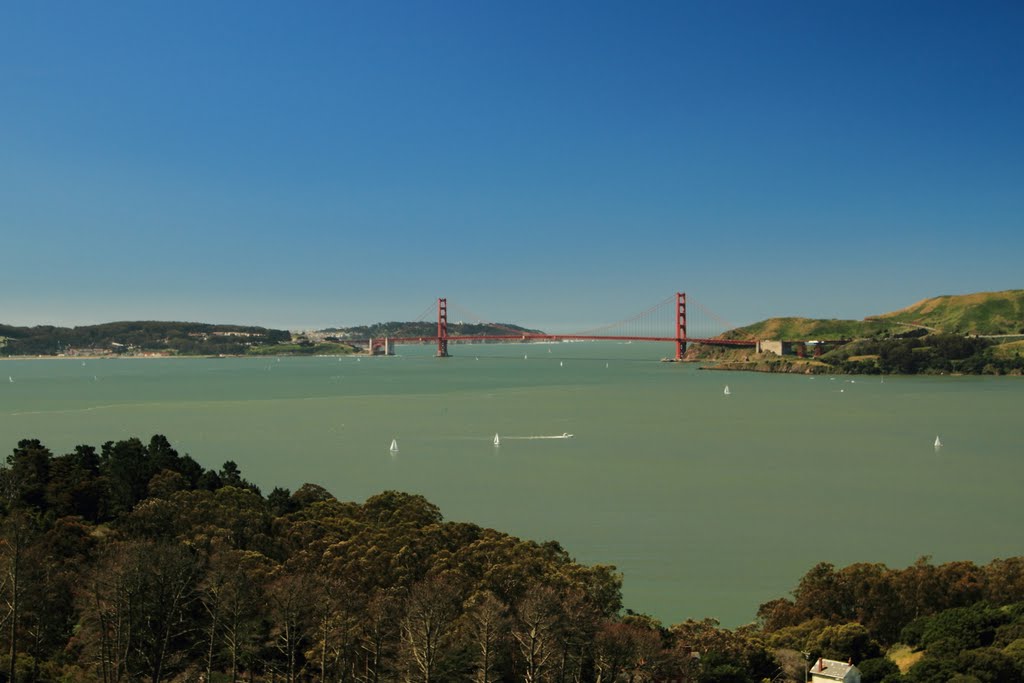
[142, 357]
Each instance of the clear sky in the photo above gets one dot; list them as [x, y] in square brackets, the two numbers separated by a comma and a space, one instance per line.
[555, 164]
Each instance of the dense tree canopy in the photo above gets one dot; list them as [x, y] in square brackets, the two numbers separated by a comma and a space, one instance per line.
[136, 563]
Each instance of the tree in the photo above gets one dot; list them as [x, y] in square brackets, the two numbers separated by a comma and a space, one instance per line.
[127, 466]
[535, 631]
[432, 607]
[486, 621]
[845, 641]
[27, 475]
[17, 532]
[378, 635]
[52, 566]
[290, 614]
[136, 610]
[630, 647]
[76, 487]
[232, 595]
[877, 669]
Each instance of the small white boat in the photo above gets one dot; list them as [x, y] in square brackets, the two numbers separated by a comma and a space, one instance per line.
[727, 392]
[566, 435]
[394, 446]
[524, 356]
[938, 443]
[497, 441]
[10, 379]
[561, 364]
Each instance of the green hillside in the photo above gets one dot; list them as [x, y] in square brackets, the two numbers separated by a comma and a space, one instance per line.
[811, 328]
[979, 313]
[942, 335]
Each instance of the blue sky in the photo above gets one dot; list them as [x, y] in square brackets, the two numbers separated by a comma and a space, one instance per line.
[555, 164]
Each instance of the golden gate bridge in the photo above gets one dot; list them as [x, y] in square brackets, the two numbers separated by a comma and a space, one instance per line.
[666, 321]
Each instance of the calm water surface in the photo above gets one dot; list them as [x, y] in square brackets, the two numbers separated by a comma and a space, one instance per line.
[710, 504]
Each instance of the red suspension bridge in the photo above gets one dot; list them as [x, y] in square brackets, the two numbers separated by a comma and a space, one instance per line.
[666, 321]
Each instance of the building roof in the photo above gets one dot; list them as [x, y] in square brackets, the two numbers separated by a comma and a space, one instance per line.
[830, 669]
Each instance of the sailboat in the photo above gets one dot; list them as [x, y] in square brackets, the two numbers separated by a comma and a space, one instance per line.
[394, 446]
[561, 364]
[727, 392]
[938, 443]
[497, 441]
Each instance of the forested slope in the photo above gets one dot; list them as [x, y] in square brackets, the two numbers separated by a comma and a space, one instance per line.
[133, 562]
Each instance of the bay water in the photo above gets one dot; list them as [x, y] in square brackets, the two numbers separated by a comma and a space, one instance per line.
[709, 503]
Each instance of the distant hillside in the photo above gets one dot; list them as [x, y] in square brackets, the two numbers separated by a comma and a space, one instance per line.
[810, 328]
[979, 313]
[120, 338]
[428, 329]
[938, 336]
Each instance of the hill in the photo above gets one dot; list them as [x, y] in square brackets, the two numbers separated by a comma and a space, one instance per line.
[202, 339]
[120, 338]
[945, 334]
[984, 313]
[810, 328]
[979, 313]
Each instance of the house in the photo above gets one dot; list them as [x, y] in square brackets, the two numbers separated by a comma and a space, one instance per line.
[829, 671]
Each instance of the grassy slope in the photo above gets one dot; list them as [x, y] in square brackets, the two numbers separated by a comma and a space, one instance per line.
[979, 313]
[1009, 349]
[810, 328]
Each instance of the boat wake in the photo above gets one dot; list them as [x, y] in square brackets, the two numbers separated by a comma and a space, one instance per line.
[564, 435]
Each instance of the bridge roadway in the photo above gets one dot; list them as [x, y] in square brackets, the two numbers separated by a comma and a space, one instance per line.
[553, 337]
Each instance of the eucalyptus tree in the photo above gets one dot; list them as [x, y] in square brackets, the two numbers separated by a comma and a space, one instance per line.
[485, 627]
[535, 631]
[428, 625]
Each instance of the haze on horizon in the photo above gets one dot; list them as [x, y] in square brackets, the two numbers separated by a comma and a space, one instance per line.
[558, 166]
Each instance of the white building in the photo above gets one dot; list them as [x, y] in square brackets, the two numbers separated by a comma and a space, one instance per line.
[829, 671]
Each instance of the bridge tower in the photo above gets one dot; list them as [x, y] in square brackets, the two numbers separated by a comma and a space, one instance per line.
[680, 325]
[442, 328]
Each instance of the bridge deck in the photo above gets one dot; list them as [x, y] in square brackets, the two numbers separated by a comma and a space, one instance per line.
[558, 337]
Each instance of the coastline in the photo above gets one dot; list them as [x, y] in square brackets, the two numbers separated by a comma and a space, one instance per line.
[139, 357]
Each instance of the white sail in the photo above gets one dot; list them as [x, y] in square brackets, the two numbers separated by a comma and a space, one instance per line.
[497, 441]
[394, 445]
[938, 443]
[727, 392]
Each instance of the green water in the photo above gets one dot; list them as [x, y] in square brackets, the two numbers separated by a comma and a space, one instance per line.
[710, 504]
